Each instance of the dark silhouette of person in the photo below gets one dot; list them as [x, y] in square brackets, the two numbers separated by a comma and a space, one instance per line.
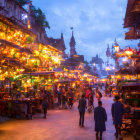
[100, 118]
[117, 113]
[81, 107]
[45, 106]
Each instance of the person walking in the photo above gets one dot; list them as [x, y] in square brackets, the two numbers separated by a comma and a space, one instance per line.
[90, 103]
[70, 98]
[64, 99]
[117, 113]
[45, 106]
[87, 94]
[100, 118]
[59, 94]
[98, 95]
[81, 107]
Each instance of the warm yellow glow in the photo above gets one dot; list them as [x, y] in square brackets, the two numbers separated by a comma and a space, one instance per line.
[21, 70]
[112, 76]
[56, 80]
[36, 53]
[29, 26]
[107, 68]
[128, 52]
[44, 51]
[23, 58]
[103, 80]
[33, 60]
[118, 76]
[85, 75]
[12, 52]
[56, 60]
[138, 76]
[29, 81]
[117, 48]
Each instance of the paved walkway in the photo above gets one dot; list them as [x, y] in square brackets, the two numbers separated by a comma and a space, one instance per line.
[59, 125]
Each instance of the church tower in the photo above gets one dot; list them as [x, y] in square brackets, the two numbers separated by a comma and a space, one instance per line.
[62, 44]
[72, 46]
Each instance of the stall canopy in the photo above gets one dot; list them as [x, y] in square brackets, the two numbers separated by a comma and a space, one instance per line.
[42, 73]
[130, 70]
[131, 86]
[5, 42]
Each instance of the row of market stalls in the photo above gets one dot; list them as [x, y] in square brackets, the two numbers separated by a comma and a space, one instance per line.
[131, 87]
[31, 68]
[126, 80]
[126, 83]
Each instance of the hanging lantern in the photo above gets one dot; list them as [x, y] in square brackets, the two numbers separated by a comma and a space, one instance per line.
[117, 47]
[129, 51]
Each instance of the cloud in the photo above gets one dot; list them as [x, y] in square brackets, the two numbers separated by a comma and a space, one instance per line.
[96, 23]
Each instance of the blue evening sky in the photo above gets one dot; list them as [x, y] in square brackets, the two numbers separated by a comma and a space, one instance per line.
[96, 23]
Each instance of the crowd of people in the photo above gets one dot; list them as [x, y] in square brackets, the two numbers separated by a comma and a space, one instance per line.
[66, 96]
[100, 115]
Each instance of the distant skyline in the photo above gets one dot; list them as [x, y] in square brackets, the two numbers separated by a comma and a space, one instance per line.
[96, 24]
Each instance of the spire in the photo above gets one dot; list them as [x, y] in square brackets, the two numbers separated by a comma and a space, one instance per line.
[108, 53]
[72, 41]
[62, 36]
[72, 45]
[62, 43]
[112, 46]
[115, 40]
[108, 46]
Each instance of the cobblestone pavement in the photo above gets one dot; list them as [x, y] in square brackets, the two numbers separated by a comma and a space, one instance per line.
[59, 125]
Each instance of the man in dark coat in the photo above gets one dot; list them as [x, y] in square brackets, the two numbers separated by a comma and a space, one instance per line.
[117, 113]
[59, 92]
[82, 106]
[100, 118]
[45, 106]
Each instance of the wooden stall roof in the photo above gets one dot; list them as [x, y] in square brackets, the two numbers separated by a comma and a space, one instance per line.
[124, 71]
[130, 84]
[14, 24]
[42, 73]
[129, 18]
[12, 62]
[67, 81]
[27, 50]
[53, 48]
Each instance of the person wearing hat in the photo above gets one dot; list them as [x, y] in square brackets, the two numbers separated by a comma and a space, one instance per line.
[117, 113]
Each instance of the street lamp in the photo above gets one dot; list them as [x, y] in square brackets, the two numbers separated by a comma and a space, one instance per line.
[107, 68]
[113, 68]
